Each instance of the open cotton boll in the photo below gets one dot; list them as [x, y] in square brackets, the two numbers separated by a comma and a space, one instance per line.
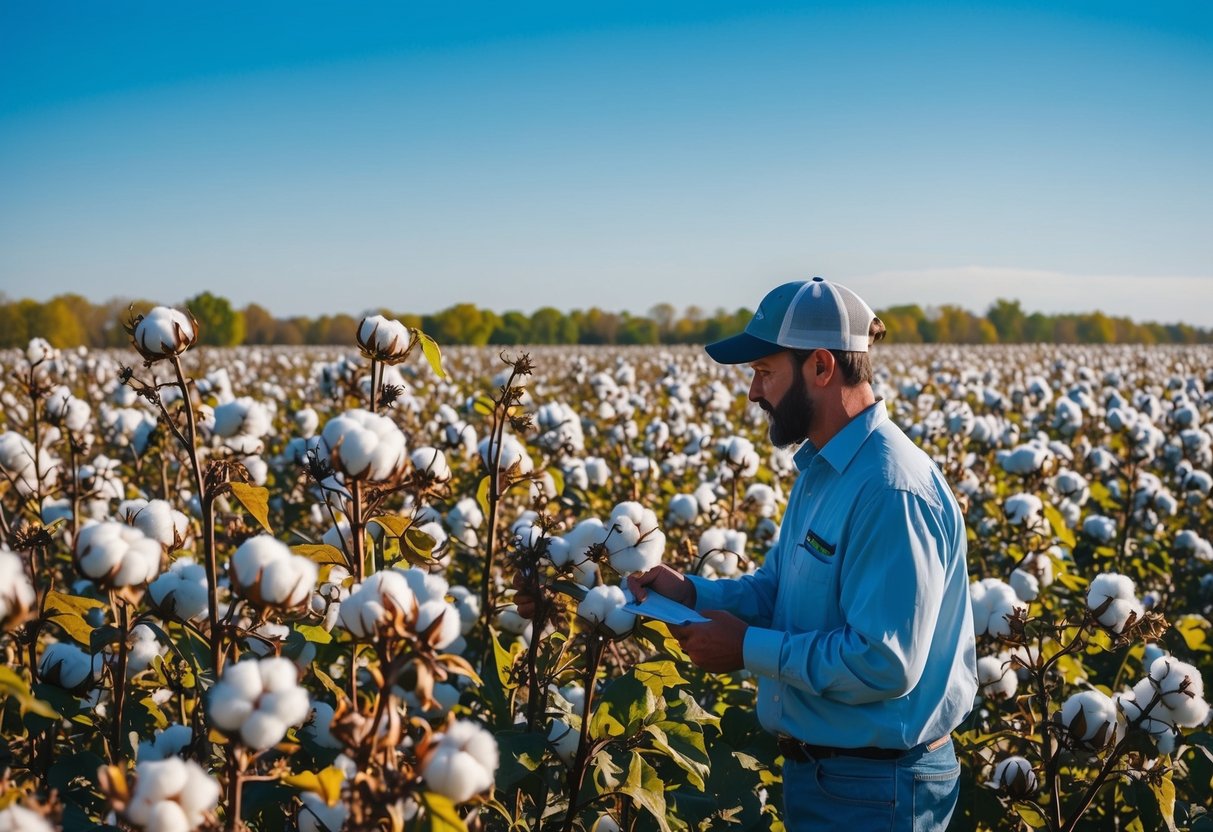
[1182, 690]
[597, 471]
[682, 510]
[384, 339]
[1099, 528]
[994, 603]
[315, 815]
[167, 743]
[426, 586]
[265, 571]
[720, 552]
[1014, 776]
[244, 416]
[996, 678]
[156, 519]
[116, 555]
[635, 544]
[449, 627]
[512, 453]
[1091, 717]
[1024, 459]
[373, 605]
[1113, 600]
[564, 739]
[463, 762]
[171, 795]
[432, 463]
[163, 332]
[1023, 509]
[181, 591]
[259, 699]
[17, 595]
[142, 647]
[364, 445]
[604, 605]
[67, 666]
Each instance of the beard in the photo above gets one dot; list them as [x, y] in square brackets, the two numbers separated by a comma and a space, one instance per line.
[792, 417]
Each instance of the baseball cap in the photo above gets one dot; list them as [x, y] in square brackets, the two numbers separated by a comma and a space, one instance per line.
[802, 315]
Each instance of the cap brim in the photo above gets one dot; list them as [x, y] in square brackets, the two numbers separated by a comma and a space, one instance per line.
[742, 348]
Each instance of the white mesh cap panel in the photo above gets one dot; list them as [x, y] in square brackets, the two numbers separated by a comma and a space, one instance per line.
[823, 315]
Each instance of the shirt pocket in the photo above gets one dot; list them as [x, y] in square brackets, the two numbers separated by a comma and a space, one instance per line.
[810, 600]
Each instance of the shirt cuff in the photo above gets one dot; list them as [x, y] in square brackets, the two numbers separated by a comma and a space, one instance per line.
[708, 594]
[761, 651]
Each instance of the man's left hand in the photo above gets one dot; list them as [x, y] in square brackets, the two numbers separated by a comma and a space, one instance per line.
[715, 645]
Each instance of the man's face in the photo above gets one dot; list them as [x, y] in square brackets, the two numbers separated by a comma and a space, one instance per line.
[778, 387]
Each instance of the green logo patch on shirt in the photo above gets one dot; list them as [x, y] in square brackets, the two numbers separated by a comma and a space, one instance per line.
[818, 547]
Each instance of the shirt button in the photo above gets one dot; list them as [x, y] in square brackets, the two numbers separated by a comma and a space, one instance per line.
[776, 697]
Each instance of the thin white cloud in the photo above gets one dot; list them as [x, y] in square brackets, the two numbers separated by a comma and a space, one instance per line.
[1161, 298]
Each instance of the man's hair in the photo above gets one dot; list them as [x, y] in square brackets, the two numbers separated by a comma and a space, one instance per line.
[856, 367]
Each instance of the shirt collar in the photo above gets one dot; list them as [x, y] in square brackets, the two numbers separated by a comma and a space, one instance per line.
[843, 446]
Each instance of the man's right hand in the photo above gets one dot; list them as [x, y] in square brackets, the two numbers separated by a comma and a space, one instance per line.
[664, 581]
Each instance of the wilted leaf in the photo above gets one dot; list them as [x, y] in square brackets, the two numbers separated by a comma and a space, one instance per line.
[256, 501]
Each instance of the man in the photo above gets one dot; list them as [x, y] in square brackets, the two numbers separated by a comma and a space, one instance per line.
[858, 625]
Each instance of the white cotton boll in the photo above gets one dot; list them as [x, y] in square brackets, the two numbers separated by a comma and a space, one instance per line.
[17, 818]
[1022, 509]
[683, 509]
[242, 417]
[291, 704]
[318, 726]
[995, 677]
[163, 332]
[115, 555]
[449, 628]
[259, 699]
[17, 595]
[463, 763]
[1182, 690]
[509, 621]
[603, 605]
[181, 592]
[468, 605]
[597, 471]
[372, 604]
[635, 543]
[1025, 584]
[364, 445]
[156, 519]
[512, 454]
[262, 730]
[1024, 459]
[564, 739]
[994, 602]
[168, 742]
[1112, 598]
[143, 646]
[384, 339]
[425, 585]
[1099, 528]
[265, 571]
[317, 816]
[432, 463]
[67, 666]
[306, 422]
[1091, 717]
[1014, 775]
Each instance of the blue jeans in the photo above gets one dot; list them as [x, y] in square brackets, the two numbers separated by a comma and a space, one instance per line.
[915, 793]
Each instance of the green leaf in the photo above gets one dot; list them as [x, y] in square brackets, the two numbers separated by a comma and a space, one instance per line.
[557, 480]
[314, 633]
[12, 685]
[58, 602]
[646, 790]
[521, 754]
[432, 354]
[1062, 532]
[622, 708]
[420, 542]
[256, 501]
[440, 814]
[684, 746]
[321, 553]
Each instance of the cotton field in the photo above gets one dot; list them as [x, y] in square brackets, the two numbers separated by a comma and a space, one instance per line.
[273, 588]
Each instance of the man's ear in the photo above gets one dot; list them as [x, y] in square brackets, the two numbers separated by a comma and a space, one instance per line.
[822, 364]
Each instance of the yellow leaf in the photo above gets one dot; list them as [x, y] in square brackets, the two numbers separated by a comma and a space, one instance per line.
[432, 354]
[321, 553]
[393, 524]
[11, 684]
[256, 501]
[58, 602]
[482, 495]
[75, 626]
[326, 783]
[442, 814]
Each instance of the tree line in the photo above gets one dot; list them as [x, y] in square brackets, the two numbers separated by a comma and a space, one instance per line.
[71, 320]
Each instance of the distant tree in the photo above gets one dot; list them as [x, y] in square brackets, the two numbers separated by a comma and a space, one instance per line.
[260, 327]
[464, 323]
[1096, 328]
[638, 330]
[546, 326]
[1008, 320]
[664, 316]
[219, 325]
[515, 328]
[56, 321]
[903, 324]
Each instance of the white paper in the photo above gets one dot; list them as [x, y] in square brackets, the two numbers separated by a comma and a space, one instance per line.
[664, 609]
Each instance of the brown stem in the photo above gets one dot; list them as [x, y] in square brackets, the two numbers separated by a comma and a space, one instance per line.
[118, 678]
[594, 653]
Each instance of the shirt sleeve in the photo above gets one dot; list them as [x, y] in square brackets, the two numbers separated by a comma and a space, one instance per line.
[890, 591]
[750, 597]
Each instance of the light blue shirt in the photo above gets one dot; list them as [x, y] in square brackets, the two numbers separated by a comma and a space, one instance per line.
[861, 633]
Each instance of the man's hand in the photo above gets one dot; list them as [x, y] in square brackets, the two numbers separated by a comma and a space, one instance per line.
[664, 581]
[716, 645]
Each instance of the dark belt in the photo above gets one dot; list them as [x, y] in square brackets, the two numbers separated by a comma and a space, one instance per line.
[802, 752]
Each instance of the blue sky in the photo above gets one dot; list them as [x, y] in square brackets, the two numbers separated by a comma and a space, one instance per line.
[335, 157]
